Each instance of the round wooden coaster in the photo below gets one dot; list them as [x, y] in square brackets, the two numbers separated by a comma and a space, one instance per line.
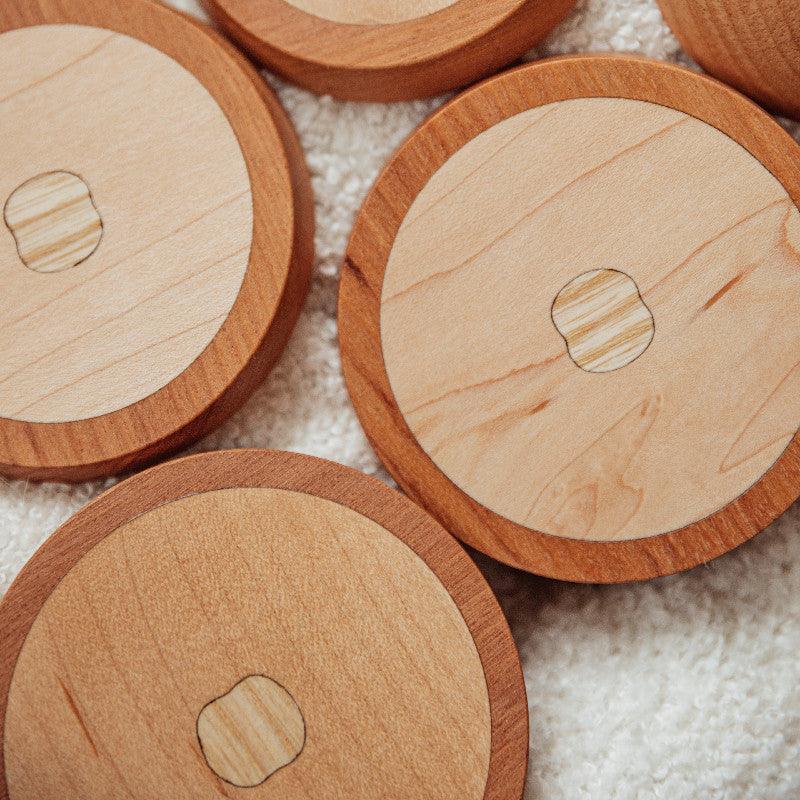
[567, 318]
[387, 49]
[156, 240]
[260, 621]
[754, 47]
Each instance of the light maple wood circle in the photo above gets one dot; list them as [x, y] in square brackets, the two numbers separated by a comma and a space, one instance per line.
[567, 318]
[259, 621]
[158, 234]
[371, 12]
[386, 49]
[752, 46]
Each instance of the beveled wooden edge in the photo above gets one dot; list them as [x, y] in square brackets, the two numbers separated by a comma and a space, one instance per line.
[401, 61]
[359, 316]
[279, 271]
[298, 473]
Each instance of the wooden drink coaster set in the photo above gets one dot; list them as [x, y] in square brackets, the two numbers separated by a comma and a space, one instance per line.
[567, 322]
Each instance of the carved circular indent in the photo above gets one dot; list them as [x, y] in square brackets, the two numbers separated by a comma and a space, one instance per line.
[491, 225]
[263, 635]
[54, 221]
[251, 732]
[371, 12]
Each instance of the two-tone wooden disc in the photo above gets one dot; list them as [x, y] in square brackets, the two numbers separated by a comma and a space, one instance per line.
[253, 624]
[386, 49]
[156, 236]
[568, 318]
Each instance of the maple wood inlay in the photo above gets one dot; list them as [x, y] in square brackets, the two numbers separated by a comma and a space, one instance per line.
[54, 221]
[94, 340]
[371, 12]
[251, 732]
[461, 378]
[470, 346]
[603, 320]
[260, 621]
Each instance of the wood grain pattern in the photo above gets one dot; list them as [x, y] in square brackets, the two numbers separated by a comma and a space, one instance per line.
[752, 46]
[415, 57]
[604, 321]
[179, 315]
[95, 340]
[193, 576]
[251, 732]
[371, 12]
[54, 221]
[693, 271]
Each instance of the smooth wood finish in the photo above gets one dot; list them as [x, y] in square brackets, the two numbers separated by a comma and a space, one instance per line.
[170, 638]
[100, 338]
[54, 221]
[463, 379]
[166, 328]
[386, 50]
[604, 321]
[752, 46]
[371, 12]
[251, 732]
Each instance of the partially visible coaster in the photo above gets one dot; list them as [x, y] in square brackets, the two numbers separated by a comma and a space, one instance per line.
[156, 236]
[568, 318]
[752, 46]
[263, 625]
[387, 49]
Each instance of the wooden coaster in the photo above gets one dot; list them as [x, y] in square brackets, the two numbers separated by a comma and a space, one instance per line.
[568, 318]
[754, 47]
[259, 621]
[156, 240]
[386, 49]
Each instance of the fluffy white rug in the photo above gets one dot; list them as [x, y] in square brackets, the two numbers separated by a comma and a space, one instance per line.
[681, 688]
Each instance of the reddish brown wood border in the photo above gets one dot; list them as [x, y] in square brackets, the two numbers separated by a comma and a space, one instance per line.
[253, 336]
[367, 496]
[359, 315]
[402, 61]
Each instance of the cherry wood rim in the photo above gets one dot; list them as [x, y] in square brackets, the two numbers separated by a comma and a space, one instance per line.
[250, 340]
[359, 315]
[400, 61]
[367, 496]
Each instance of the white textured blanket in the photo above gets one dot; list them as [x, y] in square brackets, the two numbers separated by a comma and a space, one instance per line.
[683, 688]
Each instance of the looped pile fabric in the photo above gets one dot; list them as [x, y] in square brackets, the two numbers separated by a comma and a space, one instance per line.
[680, 688]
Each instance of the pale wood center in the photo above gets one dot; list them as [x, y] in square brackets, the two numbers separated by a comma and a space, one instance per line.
[603, 319]
[174, 608]
[155, 160]
[54, 221]
[483, 376]
[371, 12]
[251, 732]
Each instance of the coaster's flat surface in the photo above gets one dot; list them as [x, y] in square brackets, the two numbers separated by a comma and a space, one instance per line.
[387, 49]
[256, 624]
[752, 46]
[148, 283]
[575, 342]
